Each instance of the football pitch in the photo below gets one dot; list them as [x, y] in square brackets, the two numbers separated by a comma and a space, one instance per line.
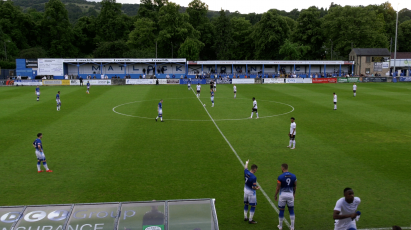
[106, 146]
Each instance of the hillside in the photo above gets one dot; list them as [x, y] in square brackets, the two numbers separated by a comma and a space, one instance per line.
[79, 8]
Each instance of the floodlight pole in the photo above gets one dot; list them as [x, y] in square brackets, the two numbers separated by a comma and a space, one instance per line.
[395, 49]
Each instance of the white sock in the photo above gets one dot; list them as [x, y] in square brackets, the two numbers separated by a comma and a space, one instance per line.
[335, 106]
[292, 218]
[38, 167]
[280, 220]
[156, 117]
[45, 166]
[294, 143]
[213, 104]
[257, 115]
[245, 214]
[251, 216]
[235, 96]
[291, 143]
[161, 118]
[251, 114]
[355, 94]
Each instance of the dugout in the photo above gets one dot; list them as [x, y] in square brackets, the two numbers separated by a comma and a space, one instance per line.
[253, 69]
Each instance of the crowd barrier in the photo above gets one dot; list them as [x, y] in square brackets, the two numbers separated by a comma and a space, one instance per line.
[55, 82]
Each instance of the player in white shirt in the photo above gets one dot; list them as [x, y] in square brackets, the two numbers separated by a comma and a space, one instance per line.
[292, 133]
[345, 211]
[215, 85]
[235, 91]
[254, 108]
[335, 101]
[354, 89]
[198, 90]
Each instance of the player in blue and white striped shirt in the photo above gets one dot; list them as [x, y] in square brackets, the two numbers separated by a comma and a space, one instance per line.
[38, 93]
[58, 100]
[160, 110]
[40, 153]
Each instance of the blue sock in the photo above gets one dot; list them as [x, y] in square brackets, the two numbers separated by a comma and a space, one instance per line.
[38, 166]
[281, 217]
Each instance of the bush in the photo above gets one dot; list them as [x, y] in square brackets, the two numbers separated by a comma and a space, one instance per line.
[7, 65]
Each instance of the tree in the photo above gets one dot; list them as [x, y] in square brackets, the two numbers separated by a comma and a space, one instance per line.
[268, 35]
[174, 29]
[20, 27]
[308, 32]
[33, 53]
[112, 24]
[293, 51]
[150, 9]
[353, 26]
[223, 42]
[190, 49]
[84, 33]
[387, 13]
[404, 35]
[143, 36]
[57, 31]
[240, 33]
[114, 49]
[197, 10]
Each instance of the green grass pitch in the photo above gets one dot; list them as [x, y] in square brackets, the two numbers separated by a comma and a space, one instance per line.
[98, 155]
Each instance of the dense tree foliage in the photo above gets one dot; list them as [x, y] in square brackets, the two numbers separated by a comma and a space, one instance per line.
[79, 28]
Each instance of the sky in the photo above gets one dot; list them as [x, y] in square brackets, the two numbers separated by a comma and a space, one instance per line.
[261, 6]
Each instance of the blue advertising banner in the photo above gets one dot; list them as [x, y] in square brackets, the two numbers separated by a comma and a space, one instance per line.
[405, 78]
[193, 81]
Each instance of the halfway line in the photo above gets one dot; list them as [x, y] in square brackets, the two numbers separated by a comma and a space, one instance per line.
[239, 159]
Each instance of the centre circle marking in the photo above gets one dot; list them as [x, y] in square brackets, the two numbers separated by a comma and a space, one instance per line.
[239, 119]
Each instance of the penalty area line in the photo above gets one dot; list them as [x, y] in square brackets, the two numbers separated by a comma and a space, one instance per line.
[239, 159]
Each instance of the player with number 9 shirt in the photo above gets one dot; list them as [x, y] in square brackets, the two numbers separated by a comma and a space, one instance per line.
[287, 186]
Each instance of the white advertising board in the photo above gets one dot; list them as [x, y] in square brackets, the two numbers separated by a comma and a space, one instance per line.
[299, 80]
[243, 81]
[273, 80]
[27, 82]
[50, 67]
[140, 81]
[92, 82]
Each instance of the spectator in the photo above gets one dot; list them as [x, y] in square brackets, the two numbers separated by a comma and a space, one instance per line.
[144, 70]
[162, 69]
[144, 76]
[153, 217]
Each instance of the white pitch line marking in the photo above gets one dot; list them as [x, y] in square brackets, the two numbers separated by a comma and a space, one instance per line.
[239, 159]
[238, 119]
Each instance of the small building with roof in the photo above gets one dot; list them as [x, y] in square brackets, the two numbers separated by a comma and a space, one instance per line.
[370, 61]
